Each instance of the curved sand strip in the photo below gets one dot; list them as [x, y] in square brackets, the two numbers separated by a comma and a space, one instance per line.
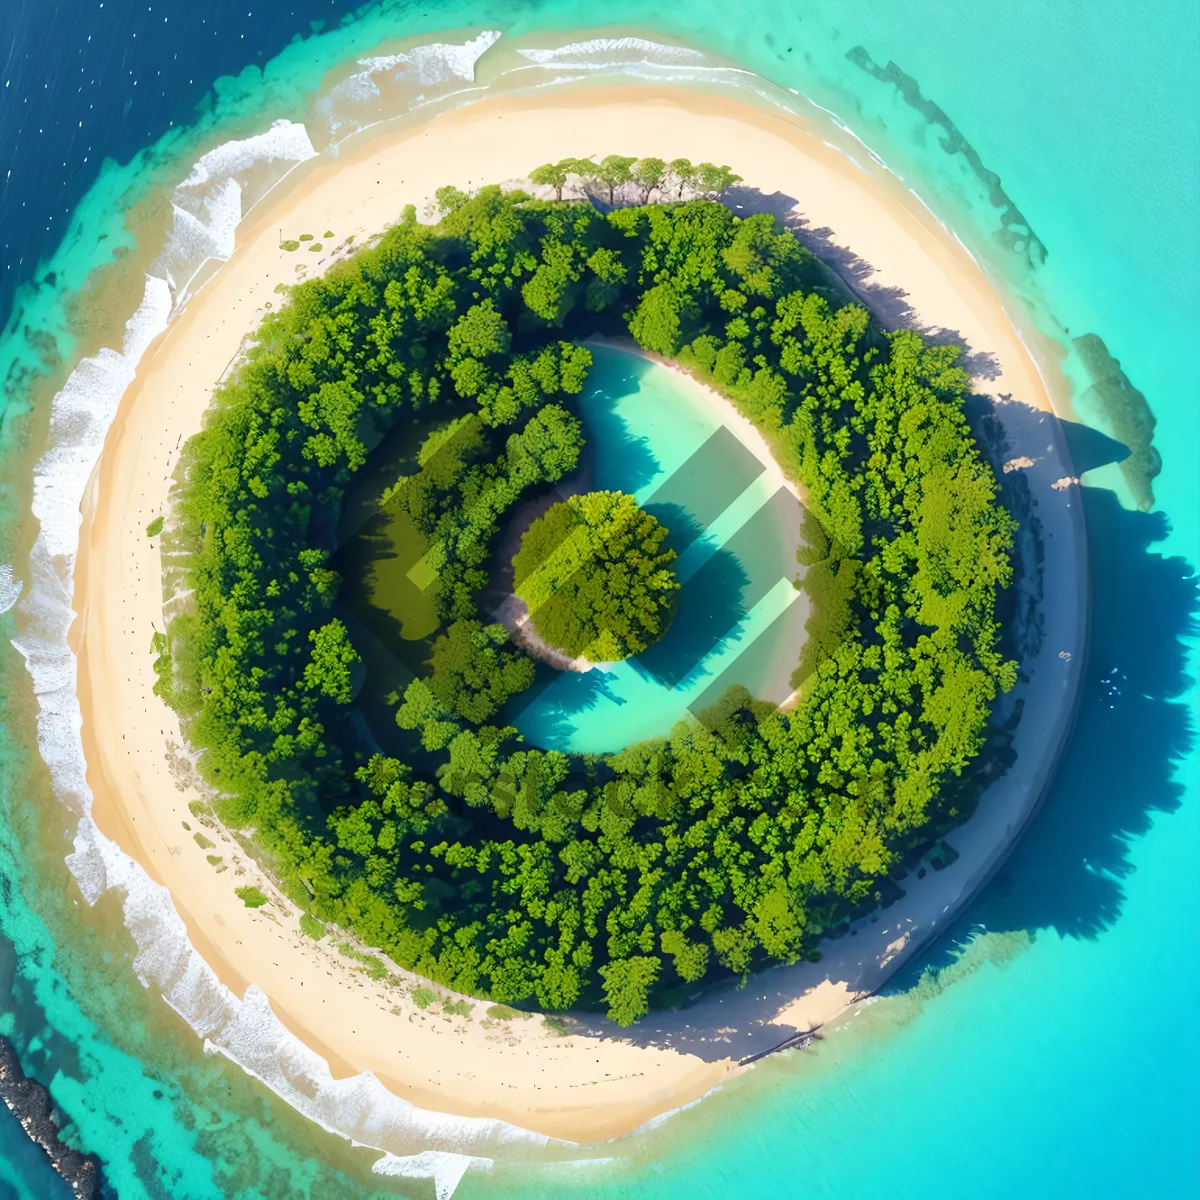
[579, 1087]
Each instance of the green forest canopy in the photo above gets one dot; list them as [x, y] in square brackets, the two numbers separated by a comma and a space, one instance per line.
[496, 867]
[596, 577]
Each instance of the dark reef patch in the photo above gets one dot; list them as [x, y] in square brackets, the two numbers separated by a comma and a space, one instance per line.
[1019, 236]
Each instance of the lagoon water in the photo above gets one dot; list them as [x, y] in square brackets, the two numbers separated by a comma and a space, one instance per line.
[652, 434]
[1047, 1046]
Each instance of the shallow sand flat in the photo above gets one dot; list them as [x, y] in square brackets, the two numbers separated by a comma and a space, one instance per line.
[581, 1088]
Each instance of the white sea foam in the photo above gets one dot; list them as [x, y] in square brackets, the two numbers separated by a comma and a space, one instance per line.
[10, 588]
[207, 209]
[446, 1170]
[285, 141]
[438, 62]
[602, 52]
[437, 68]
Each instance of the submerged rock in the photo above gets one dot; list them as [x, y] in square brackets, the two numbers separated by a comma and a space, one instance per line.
[30, 1103]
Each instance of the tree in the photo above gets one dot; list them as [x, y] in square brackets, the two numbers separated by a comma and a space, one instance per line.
[656, 322]
[627, 984]
[613, 171]
[683, 173]
[557, 174]
[595, 576]
[448, 198]
[329, 669]
[648, 174]
[712, 180]
[475, 671]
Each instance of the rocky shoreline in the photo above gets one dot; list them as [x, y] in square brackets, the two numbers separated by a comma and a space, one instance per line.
[31, 1104]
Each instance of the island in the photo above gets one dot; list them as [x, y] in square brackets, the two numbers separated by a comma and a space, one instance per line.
[456, 868]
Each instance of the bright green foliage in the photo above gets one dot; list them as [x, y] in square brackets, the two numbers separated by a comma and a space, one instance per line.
[311, 927]
[289, 244]
[557, 174]
[155, 527]
[648, 174]
[627, 984]
[614, 170]
[448, 198]
[482, 862]
[251, 897]
[596, 578]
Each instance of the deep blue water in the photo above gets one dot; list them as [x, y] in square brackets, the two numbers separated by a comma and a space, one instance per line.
[85, 80]
[1056, 1055]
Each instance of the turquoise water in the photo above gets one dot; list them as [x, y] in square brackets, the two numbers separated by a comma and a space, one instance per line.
[1052, 1049]
[653, 434]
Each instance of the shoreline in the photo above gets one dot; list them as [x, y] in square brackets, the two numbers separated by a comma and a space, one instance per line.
[474, 1069]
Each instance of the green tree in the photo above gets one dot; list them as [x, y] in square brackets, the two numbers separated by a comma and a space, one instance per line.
[447, 198]
[648, 174]
[556, 175]
[627, 985]
[595, 576]
[710, 180]
[682, 173]
[613, 171]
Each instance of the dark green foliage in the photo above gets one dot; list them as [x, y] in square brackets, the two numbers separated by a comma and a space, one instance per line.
[484, 863]
[596, 578]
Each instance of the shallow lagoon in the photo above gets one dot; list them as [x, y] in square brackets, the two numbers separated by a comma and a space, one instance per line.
[653, 433]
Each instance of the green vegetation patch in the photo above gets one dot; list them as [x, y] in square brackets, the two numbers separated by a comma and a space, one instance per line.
[502, 1012]
[251, 897]
[596, 577]
[155, 527]
[311, 927]
[483, 862]
[290, 244]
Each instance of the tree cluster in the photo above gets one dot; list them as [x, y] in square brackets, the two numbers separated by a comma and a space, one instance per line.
[613, 173]
[596, 578]
[497, 867]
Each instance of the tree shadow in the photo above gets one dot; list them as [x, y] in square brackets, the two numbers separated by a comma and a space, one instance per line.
[889, 305]
[711, 604]
[623, 461]
[1067, 871]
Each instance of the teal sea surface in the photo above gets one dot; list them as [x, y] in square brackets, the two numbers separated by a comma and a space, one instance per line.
[1048, 1046]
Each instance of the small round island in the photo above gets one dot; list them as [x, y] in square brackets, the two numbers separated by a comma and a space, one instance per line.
[596, 577]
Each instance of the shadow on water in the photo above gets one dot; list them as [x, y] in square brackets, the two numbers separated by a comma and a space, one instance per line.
[562, 697]
[624, 461]
[711, 604]
[1067, 872]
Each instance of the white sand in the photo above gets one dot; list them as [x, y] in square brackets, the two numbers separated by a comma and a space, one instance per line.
[582, 1088]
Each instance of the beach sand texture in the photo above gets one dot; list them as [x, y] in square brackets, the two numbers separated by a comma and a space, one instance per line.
[582, 1088]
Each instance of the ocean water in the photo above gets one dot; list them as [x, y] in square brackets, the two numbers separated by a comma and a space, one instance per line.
[1047, 1046]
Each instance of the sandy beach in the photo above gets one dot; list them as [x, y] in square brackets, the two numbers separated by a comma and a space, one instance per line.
[603, 1083]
